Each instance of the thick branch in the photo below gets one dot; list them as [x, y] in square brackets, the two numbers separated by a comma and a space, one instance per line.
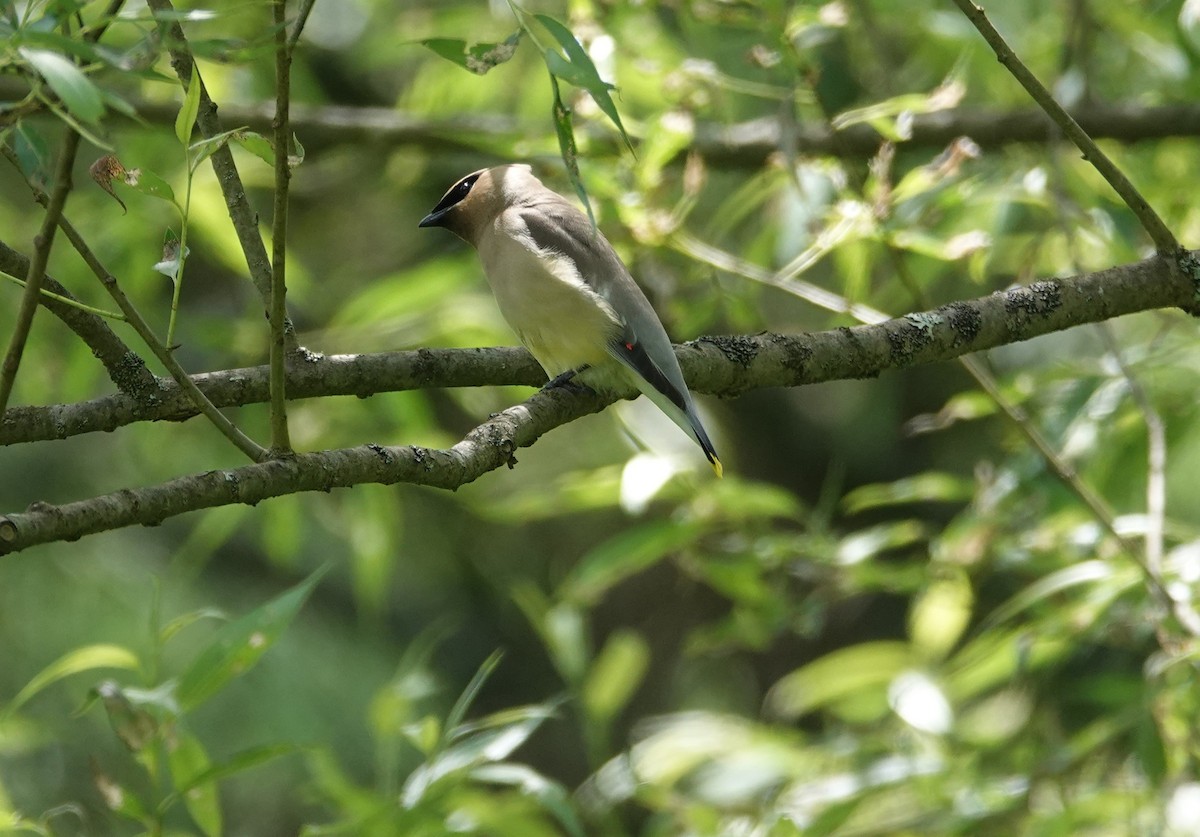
[721, 365]
[724, 366]
[486, 448]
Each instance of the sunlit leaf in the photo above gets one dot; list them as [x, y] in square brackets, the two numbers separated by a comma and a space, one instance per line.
[616, 674]
[87, 658]
[238, 645]
[256, 144]
[580, 71]
[493, 743]
[188, 762]
[839, 675]
[191, 107]
[940, 615]
[929, 487]
[549, 794]
[624, 555]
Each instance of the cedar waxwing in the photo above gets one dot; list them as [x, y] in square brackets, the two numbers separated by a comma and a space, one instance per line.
[564, 290]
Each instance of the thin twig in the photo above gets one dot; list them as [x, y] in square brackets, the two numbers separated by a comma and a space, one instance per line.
[281, 444]
[67, 300]
[243, 442]
[37, 267]
[243, 216]
[298, 27]
[1164, 240]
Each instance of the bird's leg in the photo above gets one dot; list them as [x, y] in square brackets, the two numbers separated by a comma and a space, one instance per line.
[566, 380]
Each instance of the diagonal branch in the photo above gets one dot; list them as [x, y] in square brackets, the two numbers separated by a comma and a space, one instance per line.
[484, 449]
[125, 367]
[1164, 240]
[724, 366]
[720, 365]
[37, 267]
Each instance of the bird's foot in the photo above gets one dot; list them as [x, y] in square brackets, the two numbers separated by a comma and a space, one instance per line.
[566, 380]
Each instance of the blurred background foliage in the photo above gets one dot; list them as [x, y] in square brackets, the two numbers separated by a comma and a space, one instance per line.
[892, 616]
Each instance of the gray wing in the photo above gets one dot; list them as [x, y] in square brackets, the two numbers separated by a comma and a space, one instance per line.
[554, 224]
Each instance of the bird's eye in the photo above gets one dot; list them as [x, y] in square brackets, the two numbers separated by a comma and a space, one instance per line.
[464, 186]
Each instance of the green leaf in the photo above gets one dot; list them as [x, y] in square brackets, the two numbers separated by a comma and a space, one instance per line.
[476, 58]
[73, 662]
[177, 624]
[566, 146]
[930, 487]
[579, 70]
[839, 675]
[549, 794]
[624, 555]
[616, 674]
[135, 726]
[33, 153]
[257, 144]
[68, 82]
[187, 781]
[201, 150]
[191, 107]
[459, 710]
[491, 740]
[189, 765]
[239, 645]
[150, 184]
[939, 617]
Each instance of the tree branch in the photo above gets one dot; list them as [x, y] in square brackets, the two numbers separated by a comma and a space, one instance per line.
[738, 145]
[243, 217]
[125, 367]
[718, 365]
[1164, 240]
[32, 295]
[281, 444]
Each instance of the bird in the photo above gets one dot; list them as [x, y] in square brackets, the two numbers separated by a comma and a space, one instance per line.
[564, 290]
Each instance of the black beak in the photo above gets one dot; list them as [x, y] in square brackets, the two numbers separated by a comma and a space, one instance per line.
[434, 219]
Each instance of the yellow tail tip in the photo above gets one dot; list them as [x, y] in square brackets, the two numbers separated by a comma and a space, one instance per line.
[716, 465]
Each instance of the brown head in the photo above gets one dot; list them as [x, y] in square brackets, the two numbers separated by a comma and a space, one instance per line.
[476, 200]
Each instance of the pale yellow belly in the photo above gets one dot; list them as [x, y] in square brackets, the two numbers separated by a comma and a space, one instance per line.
[559, 319]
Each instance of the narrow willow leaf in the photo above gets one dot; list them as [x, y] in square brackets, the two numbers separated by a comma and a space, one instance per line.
[566, 146]
[549, 794]
[68, 82]
[191, 107]
[81, 659]
[239, 645]
[624, 555]
[476, 58]
[188, 763]
[838, 676]
[579, 70]
[616, 674]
